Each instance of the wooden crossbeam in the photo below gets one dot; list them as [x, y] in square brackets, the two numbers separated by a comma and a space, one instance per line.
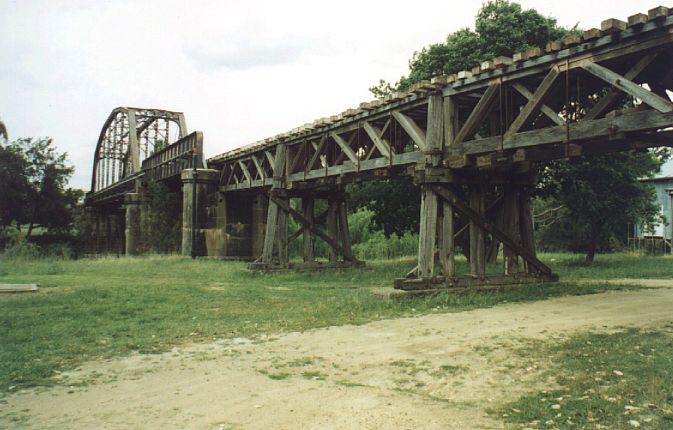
[318, 151]
[298, 157]
[534, 104]
[344, 147]
[411, 128]
[300, 218]
[260, 170]
[377, 137]
[245, 170]
[580, 131]
[318, 219]
[551, 113]
[659, 90]
[483, 108]
[490, 228]
[629, 87]
[609, 99]
[270, 157]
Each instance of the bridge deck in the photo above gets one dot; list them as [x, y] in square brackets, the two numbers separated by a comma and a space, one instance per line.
[507, 110]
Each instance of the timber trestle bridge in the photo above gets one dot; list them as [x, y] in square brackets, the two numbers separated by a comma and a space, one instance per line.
[470, 141]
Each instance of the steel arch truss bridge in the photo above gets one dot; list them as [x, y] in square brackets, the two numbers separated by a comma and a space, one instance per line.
[469, 140]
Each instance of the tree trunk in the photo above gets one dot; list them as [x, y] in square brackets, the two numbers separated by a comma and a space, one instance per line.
[593, 243]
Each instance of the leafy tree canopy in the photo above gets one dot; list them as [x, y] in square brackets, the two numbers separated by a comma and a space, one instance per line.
[602, 194]
[33, 178]
[501, 28]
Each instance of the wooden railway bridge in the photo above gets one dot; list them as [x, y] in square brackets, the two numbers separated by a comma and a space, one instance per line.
[469, 140]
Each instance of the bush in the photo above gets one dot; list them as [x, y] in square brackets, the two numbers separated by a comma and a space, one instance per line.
[378, 246]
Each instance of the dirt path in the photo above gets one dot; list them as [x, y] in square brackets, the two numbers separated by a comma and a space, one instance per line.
[439, 371]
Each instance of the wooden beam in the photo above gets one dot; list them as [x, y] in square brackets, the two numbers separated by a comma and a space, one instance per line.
[534, 104]
[580, 131]
[377, 137]
[260, 170]
[447, 241]
[245, 170]
[479, 113]
[411, 128]
[318, 152]
[276, 223]
[462, 207]
[608, 99]
[270, 233]
[629, 87]
[450, 120]
[344, 147]
[269, 156]
[307, 223]
[427, 235]
[345, 232]
[477, 196]
[512, 227]
[332, 227]
[527, 232]
[301, 154]
[281, 239]
[551, 113]
[308, 204]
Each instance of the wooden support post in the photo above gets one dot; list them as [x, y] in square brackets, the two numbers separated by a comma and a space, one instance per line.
[332, 227]
[447, 238]
[447, 254]
[270, 234]
[427, 233]
[527, 231]
[511, 227]
[281, 240]
[427, 237]
[451, 197]
[276, 220]
[346, 247]
[308, 204]
[477, 243]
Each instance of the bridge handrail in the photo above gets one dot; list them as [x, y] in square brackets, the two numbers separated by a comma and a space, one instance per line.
[176, 157]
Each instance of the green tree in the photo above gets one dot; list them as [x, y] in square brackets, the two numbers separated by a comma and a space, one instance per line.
[602, 194]
[14, 185]
[394, 204]
[501, 28]
[33, 185]
[3, 131]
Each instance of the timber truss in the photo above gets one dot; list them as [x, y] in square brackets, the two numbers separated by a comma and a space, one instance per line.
[470, 141]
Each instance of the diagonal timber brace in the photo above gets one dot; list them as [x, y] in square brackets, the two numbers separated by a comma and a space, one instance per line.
[629, 87]
[306, 223]
[488, 227]
[612, 96]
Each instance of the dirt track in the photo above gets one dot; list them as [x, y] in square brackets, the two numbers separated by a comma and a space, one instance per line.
[439, 371]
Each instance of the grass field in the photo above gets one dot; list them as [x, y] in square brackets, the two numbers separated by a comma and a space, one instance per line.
[618, 381]
[93, 308]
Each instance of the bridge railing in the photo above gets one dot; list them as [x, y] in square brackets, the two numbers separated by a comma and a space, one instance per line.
[180, 155]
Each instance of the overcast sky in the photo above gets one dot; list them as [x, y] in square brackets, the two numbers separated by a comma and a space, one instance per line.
[239, 70]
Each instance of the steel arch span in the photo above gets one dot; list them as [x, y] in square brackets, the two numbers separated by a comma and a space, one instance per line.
[128, 137]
